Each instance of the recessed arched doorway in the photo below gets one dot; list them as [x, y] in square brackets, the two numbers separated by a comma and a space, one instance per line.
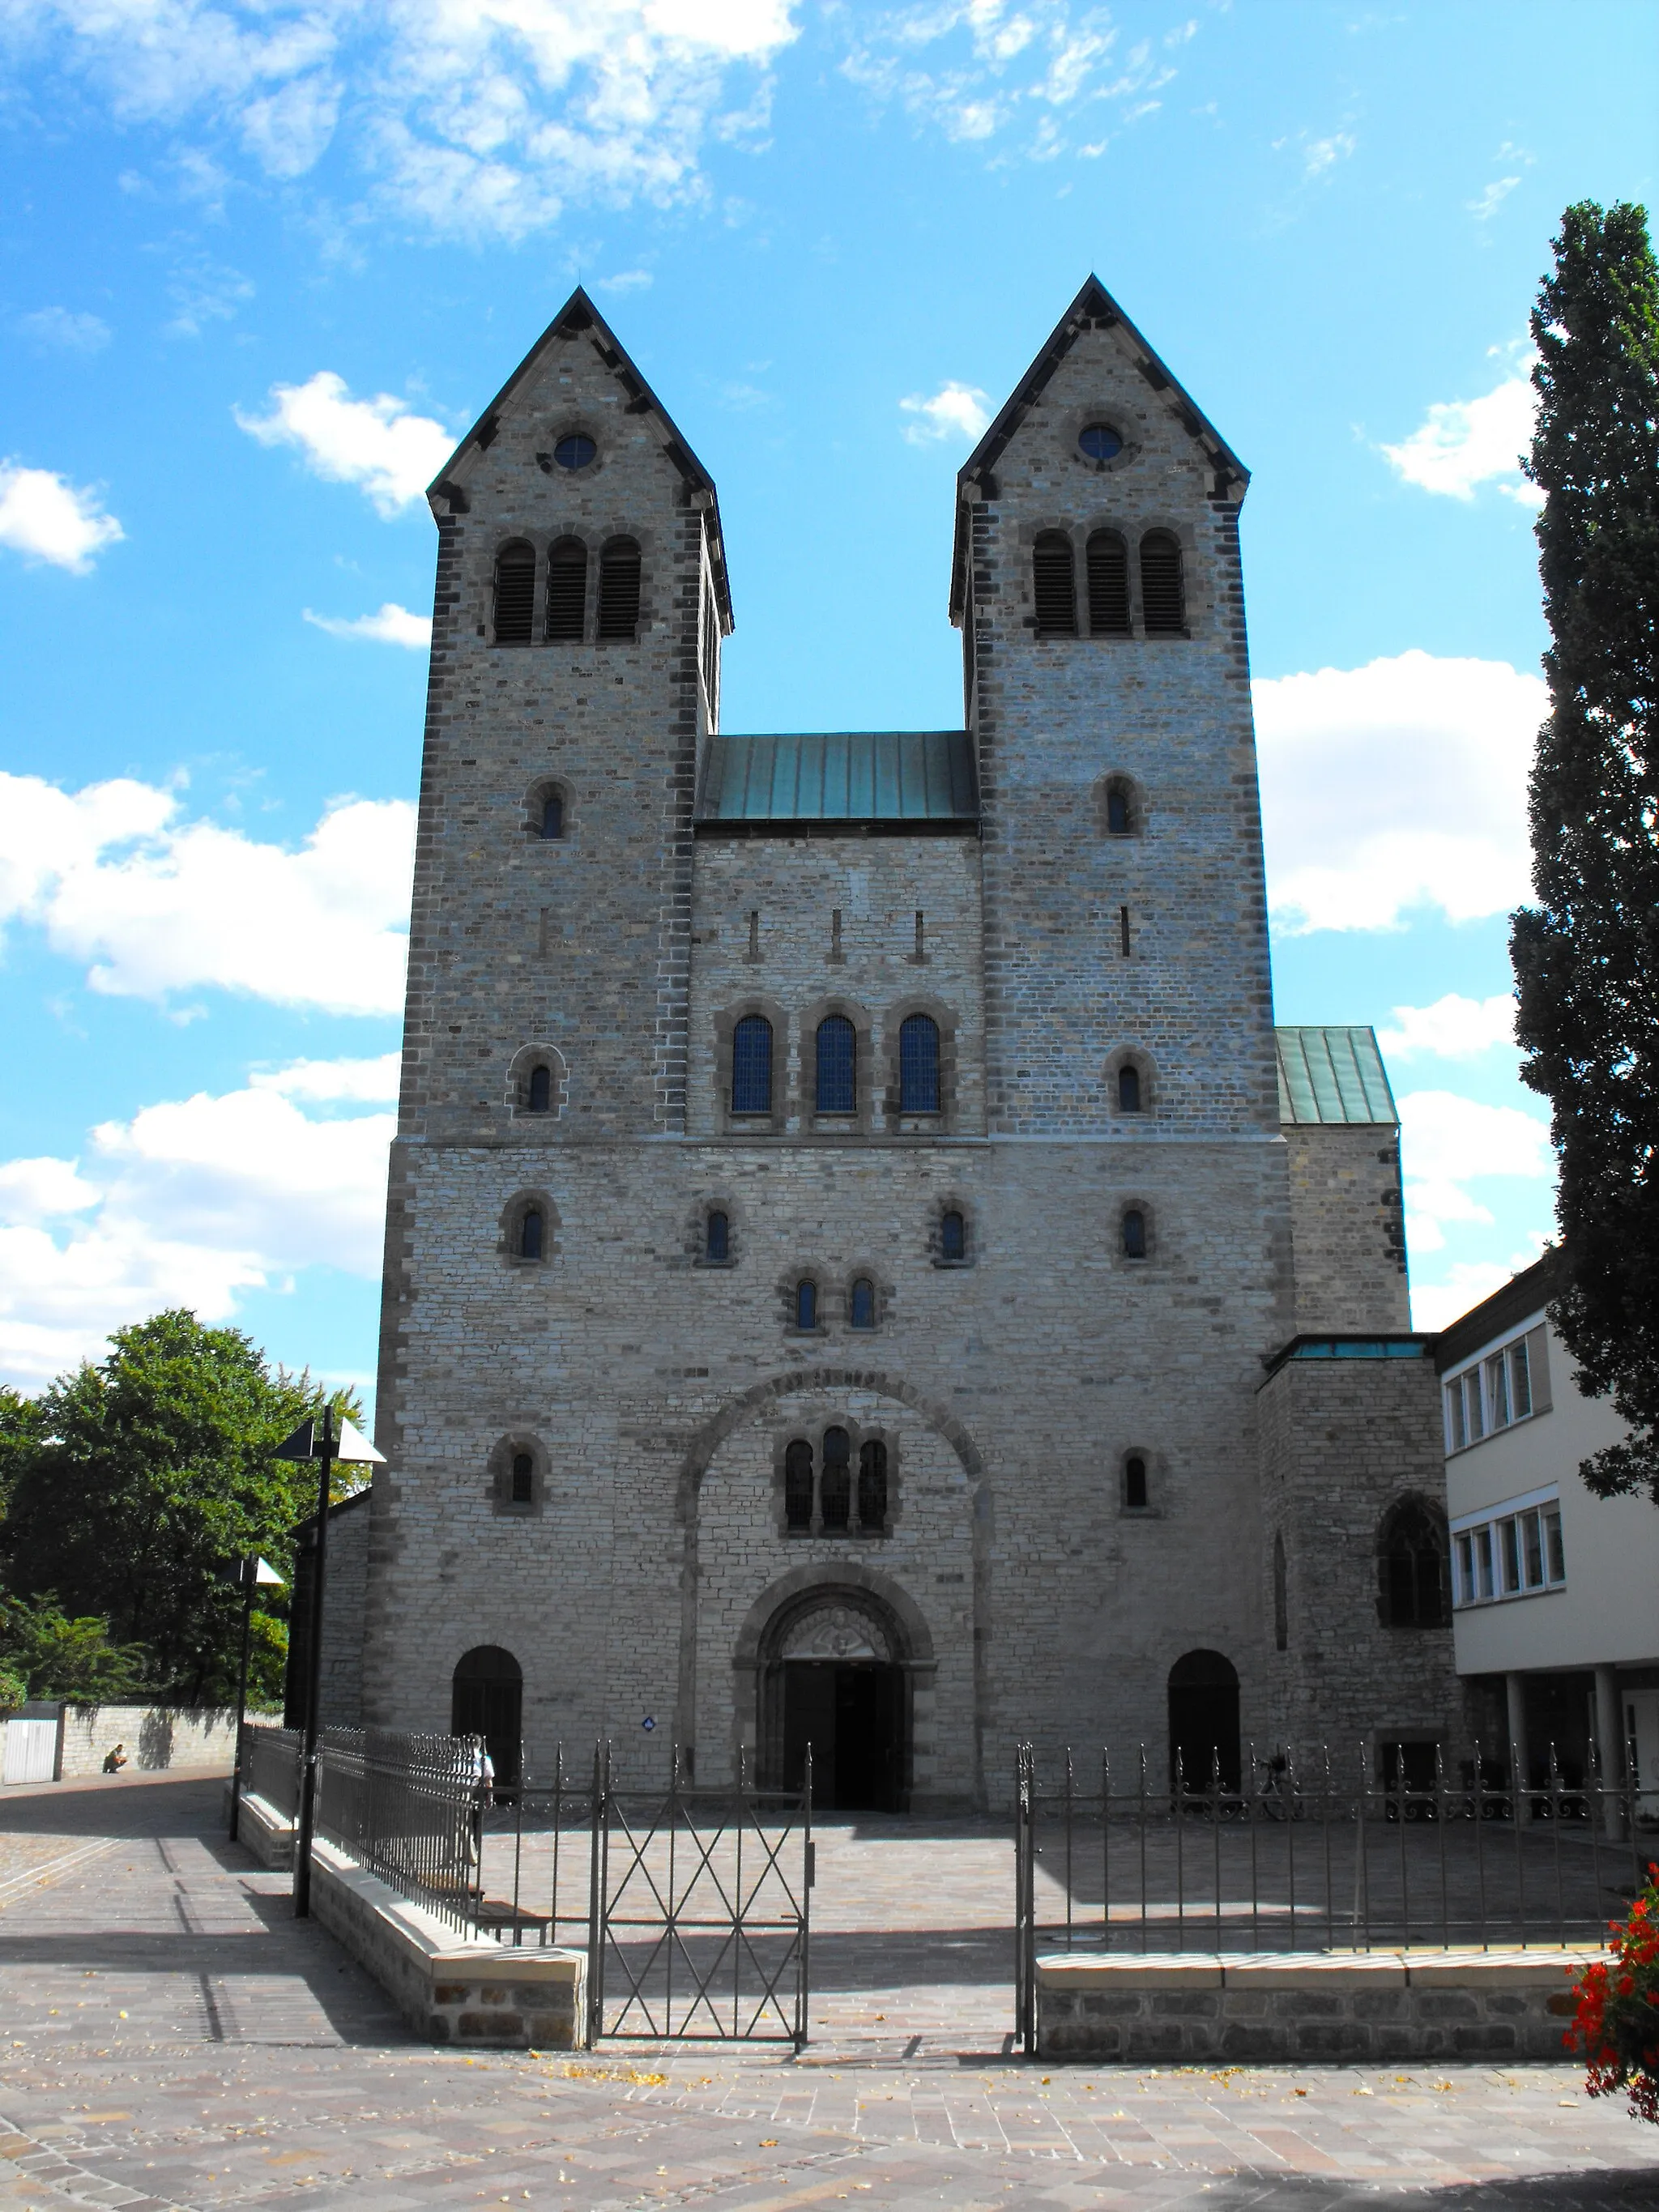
[486, 1698]
[1204, 1720]
[832, 1674]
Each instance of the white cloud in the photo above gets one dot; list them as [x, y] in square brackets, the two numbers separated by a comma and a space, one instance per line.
[1396, 786]
[1461, 443]
[955, 410]
[628, 280]
[72, 333]
[1447, 1142]
[1438, 1305]
[373, 1082]
[1453, 1028]
[375, 443]
[159, 904]
[189, 1203]
[44, 516]
[1491, 199]
[1319, 154]
[393, 625]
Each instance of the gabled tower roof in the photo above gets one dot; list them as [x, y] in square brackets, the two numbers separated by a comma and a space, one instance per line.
[1094, 308]
[578, 317]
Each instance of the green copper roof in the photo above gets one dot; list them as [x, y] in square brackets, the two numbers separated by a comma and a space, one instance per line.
[866, 775]
[1333, 1075]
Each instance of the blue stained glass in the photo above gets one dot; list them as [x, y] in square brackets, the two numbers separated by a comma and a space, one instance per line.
[717, 1240]
[1135, 1234]
[864, 1303]
[530, 1236]
[540, 1090]
[1100, 442]
[1128, 1089]
[953, 1237]
[919, 1066]
[752, 1066]
[552, 816]
[836, 1088]
[575, 452]
[806, 1305]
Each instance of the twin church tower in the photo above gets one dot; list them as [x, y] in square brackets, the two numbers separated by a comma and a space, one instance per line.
[861, 1263]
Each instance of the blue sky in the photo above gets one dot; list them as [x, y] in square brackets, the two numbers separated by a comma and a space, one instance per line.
[261, 263]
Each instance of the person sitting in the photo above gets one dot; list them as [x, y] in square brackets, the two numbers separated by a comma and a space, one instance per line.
[116, 1760]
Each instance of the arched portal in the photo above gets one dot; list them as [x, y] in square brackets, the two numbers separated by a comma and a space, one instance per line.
[1204, 1720]
[486, 1700]
[832, 1675]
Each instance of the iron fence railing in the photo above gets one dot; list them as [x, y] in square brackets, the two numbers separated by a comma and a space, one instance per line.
[410, 1808]
[270, 1766]
[1319, 1856]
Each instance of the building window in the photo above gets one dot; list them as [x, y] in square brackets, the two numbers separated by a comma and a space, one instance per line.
[1119, 810]
[566, 591]
[952, 1235]
[1135, 1494]
[836, 1483]
[1411, 1568]
[1515, 1553]
[862, 1304]
[752, 1066]
[806, 1303]
[872, 1487]
[822, 1494]
[837, 1046]
[1281, 1600]
[717, 1238]
[1135, 1233]
[1492, 1395]
[530, 1234]
[1163, 587]
[1108, 584]
[538, 1098]
[575, 452]
[798, 1485]
[552, 822]
[1128, 1089]
[619, 589]
[522, 1491]
[919, 1065]
[1054, 585]
[515, 592]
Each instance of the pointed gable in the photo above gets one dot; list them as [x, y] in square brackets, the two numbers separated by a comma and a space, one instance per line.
[1093, 309]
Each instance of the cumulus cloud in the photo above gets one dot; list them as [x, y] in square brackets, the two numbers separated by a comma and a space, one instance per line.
[393, 625]
[1465, 1283]
[69, 333]
[157, 903]
[1447, 1143]
[373, 1082]
[955, 410]
[191, 1202]
[627, 280]
[375, 443]
[1461, 444]
[1453, 1028]
[1398, 786]
[45, 517]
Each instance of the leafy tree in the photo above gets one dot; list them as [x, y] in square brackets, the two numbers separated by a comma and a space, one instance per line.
[147, 1475]
[1586, 955]
[53, 1656]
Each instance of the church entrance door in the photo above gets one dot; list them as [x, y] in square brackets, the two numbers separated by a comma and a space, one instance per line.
[851, 1713]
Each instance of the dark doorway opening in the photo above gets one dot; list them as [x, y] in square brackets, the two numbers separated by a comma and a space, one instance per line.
[486, 1700]
[1204, 1720]
[852, 1713]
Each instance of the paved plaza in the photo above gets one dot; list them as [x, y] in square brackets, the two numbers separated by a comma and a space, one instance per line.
[169, 2036]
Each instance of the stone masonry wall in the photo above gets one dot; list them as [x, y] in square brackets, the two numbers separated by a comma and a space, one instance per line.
[1347, 1226]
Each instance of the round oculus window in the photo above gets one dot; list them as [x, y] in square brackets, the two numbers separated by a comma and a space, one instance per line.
[575, 452]
[1100, 442]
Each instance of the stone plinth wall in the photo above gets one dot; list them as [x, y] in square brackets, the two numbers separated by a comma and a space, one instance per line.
[263, 1829]
[155, 1737]
[1375, 2006]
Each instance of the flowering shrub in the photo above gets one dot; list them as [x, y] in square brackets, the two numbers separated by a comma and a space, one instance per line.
[1617, 2024]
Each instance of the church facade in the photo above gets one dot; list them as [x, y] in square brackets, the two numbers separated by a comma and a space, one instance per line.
[861, 1264]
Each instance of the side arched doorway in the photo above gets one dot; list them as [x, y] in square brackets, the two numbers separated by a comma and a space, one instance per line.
[832, 1675]
[1204, 1720]
[486, 1698]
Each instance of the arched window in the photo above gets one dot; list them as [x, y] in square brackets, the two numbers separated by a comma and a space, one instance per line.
[1108, 584]
[567, 590]
[919, 1065]
[515, 592]
[1134, 1483]
[837, 1091]
[1163, 588]
[872, 1487]
[798, 1485]
[552, 824]
[1128, 1088]
[539, 1098]
[806, 1303]
[1204, 1722]
[1412, 1575]
[861, 1307]
[836, 1483]
[1119, 810]
[1281, 1599]
[530, 1234]
[523, 1489]
[752, 1066]
[952, 1235]
[1054, 585]
[717, 1238]
[619, 589]
[486, 1698]
[1135, 1233]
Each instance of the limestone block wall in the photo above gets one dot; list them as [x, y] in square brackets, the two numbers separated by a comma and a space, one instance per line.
[1348, 1227]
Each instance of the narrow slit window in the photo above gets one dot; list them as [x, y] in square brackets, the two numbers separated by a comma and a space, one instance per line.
[1135, 1233]
[919, 1065]
[752, 1066]
[836, 1483]
[524, 1478]
[836, 1065]
[717, 1238]
[863, 1304]
[1054, 585]
[806, 1303]
[619, 589]
[566, 591]
[1120, 820]
[540, 1097]
[1162, 587]
[1554, 1551]
[552, 824]
[1108, 584]
[1134, 1482]
[952, 1235]
[1532, 1530]
[529, 1235]
[1128, 1088]
[872, 1487]
[515, 592]
[798, 1485]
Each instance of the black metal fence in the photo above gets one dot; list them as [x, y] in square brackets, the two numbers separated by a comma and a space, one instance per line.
[409, 1808]
[270, 1766]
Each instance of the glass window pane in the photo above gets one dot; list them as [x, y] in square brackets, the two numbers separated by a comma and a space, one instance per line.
[1454, 1417]
[953, 1237]
[919, 1066]
[1477, 1427]
[864, 1303]
[1483, 1562]
[1466, 1591]
[1553, 1546]
[836, 1056]
[872, 1485]
[1497, 1391]
[1520, 1382]
[1508, 1544]
[716, 1243]
[1532, 1530]
[806, 1305]
[836, 1484]
[752, 1066]
[798, 1485]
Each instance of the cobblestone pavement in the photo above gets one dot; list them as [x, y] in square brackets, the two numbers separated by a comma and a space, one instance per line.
[170, 2037]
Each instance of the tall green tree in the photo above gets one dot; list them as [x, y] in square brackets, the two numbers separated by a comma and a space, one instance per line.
[143, 1476]
[1587, 954]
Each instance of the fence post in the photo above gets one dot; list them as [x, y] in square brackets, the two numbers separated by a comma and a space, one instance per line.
[596, 1901]
[809, 1871]
[1024, 1891]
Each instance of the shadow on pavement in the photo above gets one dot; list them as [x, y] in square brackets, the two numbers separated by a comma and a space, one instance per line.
[1589, 2189]
[117, 1806]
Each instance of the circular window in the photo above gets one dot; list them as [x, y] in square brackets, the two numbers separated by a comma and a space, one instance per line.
[1100, 442]
[576, 451]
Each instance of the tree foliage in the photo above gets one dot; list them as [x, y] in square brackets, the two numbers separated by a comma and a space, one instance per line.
[50, 1656]
[1587, 954]
[142, 1479]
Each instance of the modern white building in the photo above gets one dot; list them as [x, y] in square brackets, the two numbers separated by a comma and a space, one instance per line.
[1555, 1591]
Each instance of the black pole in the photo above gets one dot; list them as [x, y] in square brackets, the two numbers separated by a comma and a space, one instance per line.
[325, 1450]
[249, 1568]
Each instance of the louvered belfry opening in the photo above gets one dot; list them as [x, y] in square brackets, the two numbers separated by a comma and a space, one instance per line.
[1108, 584]
[619, 589]
[515, 592]
[567, 590]
[1054, 584]
[1163, 587]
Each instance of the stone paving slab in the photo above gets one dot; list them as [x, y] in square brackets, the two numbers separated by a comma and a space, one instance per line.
[170, 2037]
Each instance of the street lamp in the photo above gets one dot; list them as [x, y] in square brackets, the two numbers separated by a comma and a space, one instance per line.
[249, 1575]
[321, 1441]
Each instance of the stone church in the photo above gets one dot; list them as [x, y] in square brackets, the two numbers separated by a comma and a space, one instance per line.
[861, 1265]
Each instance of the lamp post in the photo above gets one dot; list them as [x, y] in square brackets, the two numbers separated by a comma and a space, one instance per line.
[251, 1574]
[319, 1442]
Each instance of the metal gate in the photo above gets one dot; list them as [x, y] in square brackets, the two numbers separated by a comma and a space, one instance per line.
[698, 1917]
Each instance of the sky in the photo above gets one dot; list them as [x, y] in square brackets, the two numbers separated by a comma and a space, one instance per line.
[262, 264]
